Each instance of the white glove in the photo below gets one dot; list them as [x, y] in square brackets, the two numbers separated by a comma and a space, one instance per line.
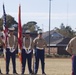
[12, 49]
[4, 52]
[33, 51]
[28, 51]
[19, 51]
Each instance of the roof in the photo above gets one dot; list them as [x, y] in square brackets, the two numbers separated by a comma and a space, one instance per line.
[45, 34]
[56, 39]
[60, 42]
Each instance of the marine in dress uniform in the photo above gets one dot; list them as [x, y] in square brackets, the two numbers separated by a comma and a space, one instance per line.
[11, 47]
[39, 44]
[27, 52]
[1, 46]
[71, 48]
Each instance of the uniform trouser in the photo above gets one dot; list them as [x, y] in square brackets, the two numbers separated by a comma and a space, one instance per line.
[8, 56]
[39, 54]
[29, 60]
[73, 65]
[1, 49]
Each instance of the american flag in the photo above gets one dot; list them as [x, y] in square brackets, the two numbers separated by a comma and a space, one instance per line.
[5, 29]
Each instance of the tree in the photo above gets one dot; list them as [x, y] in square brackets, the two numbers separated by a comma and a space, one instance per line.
[66, 31]
[32, 26]
[10, 21]
[62, 26]
[69, 31]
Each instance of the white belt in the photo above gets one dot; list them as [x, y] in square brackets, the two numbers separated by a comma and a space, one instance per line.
[11, 49]
[28, 50]
[39, 48]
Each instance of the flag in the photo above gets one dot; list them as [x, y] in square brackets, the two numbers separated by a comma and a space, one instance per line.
[19, 29]
[19, 32]
[5, 29]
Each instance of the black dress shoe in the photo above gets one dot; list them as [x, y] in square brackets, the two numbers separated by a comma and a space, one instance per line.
[1, 73]
[31, 73]
[35, 72]
[22, 73]
[43, 73]
[15, 73]
[7, 73]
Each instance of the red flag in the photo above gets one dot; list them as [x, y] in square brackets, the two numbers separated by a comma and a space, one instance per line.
[19, 29]
[19, 32]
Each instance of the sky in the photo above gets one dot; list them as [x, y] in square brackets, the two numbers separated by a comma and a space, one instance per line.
[62, 11]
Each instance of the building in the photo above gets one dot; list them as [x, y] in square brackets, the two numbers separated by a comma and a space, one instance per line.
[58, 43]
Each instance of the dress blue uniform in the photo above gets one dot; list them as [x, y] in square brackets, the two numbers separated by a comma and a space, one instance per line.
[71, 48]
[13, 56]
[39, 54]
[40, 45]
[27, 52]
[73, 65]
[27, 57]
[1, 46]
[11, 50]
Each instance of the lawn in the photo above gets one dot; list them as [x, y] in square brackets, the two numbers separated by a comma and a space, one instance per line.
[53, 66]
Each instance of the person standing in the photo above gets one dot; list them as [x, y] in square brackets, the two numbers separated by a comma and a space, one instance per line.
[71, 48]
[39, 44]
[27, 52]
[1, 47]
[11, 47]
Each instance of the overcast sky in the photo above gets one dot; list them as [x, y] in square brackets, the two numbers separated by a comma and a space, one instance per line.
[62, 11]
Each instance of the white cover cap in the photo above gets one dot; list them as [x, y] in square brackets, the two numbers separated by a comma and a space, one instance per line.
[11, 28]
[27, 31]
[40, 32]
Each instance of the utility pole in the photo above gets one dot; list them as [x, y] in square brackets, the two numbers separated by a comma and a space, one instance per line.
[49, 23]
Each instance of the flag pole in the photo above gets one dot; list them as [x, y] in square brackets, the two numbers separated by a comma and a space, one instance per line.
[19, 34]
